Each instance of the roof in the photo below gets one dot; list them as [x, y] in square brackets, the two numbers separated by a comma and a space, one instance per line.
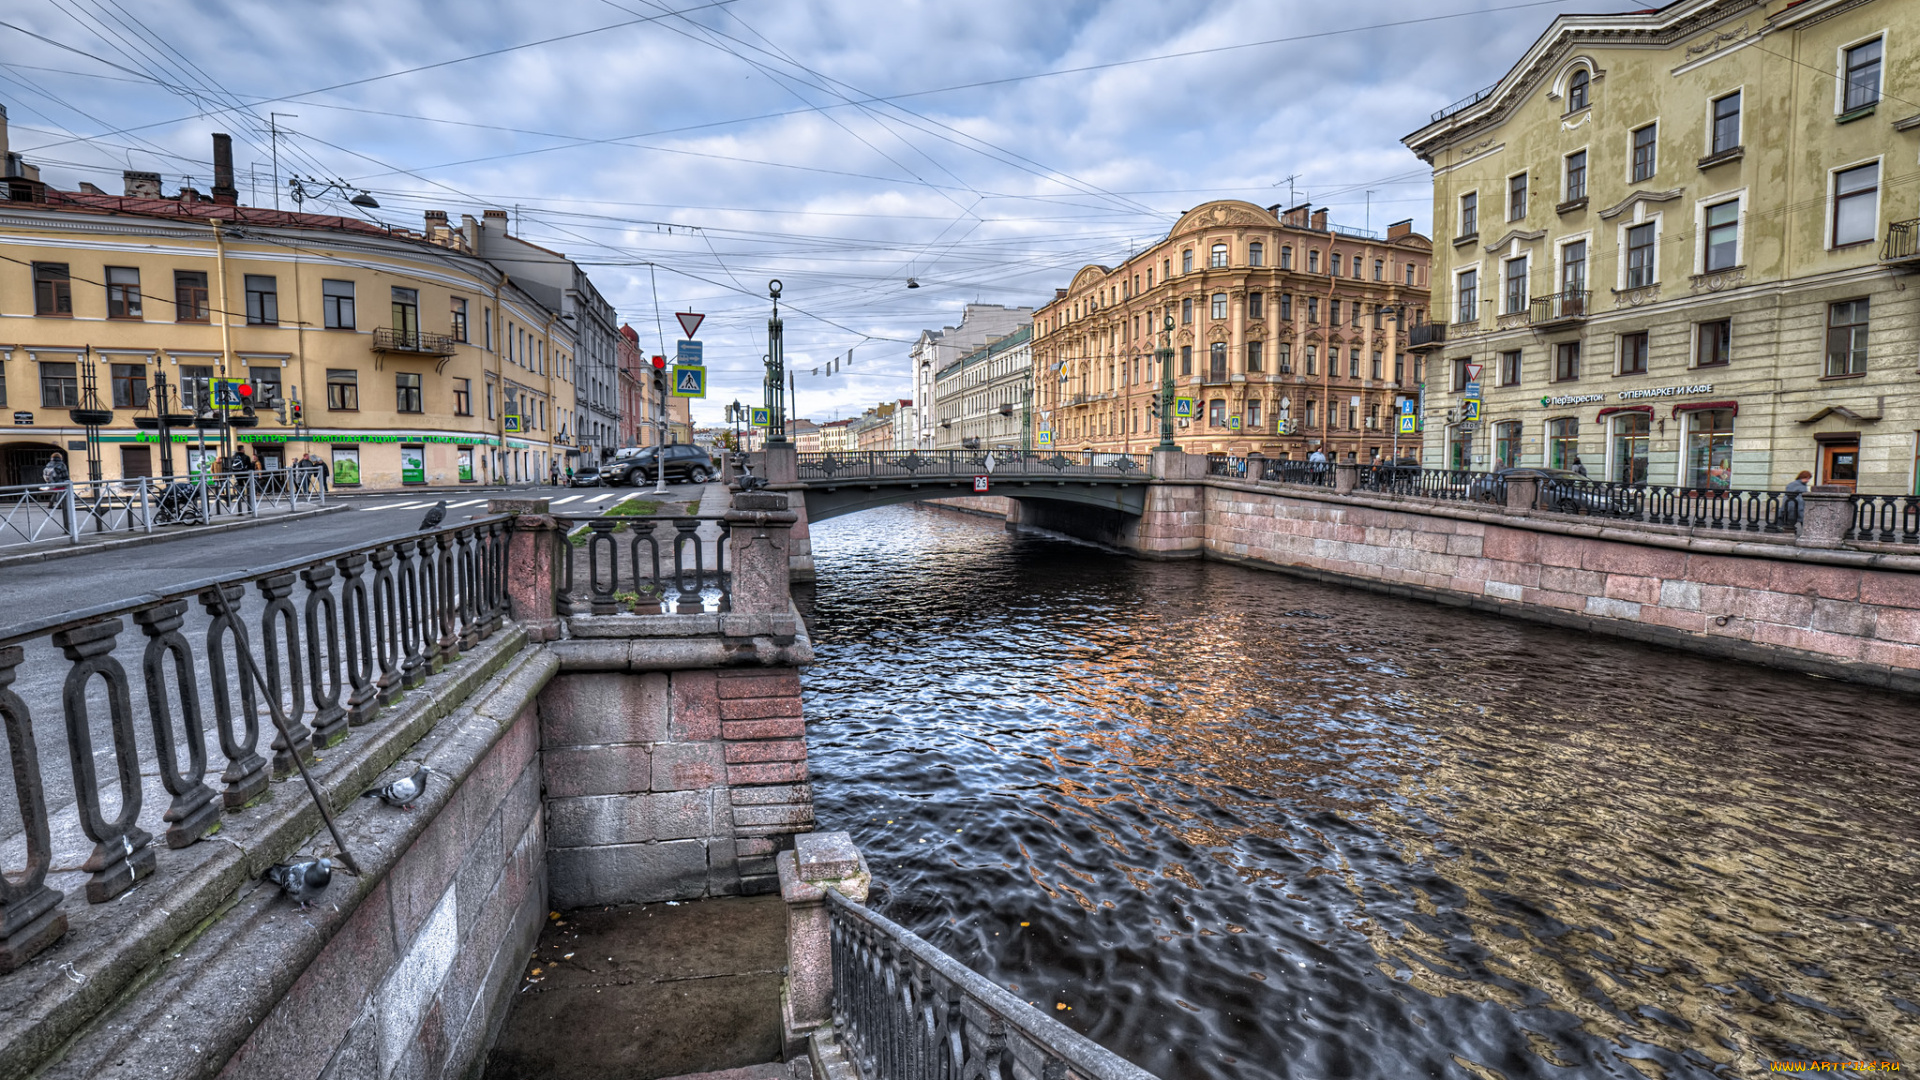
[201, 211]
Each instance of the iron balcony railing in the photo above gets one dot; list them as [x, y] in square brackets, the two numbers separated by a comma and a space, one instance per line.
[674, 565]
[904, 1010]
[966, 464]
[1729, 509]
[1561, 306]
[1887, 519]
[388, 339]
[1472, 99]
[338, 635]
[1420, 335]
[1903, 241]
[72, 510]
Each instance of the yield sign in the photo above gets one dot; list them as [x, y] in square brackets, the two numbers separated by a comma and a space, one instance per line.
[689, 321]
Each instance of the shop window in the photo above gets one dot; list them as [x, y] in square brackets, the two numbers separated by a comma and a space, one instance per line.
[1710, 449]
[1630, 438]
[1563, 442]
[1506, 444]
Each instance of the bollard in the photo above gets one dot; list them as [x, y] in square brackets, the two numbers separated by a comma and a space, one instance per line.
[1826, 517]
[818, 862]
[1346, 477]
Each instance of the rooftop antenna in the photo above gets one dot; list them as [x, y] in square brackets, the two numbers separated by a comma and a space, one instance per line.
[1369, 209]
[273, 125]
[1292, 199]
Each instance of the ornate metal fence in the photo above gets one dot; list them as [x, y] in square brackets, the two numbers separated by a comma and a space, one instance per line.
[78, 508]
[1888, 519]
[907, 1011]
[338, 635]
[672, 566]
[954, 464]
[1297, 472]
[1422, 483]
[1733, 509]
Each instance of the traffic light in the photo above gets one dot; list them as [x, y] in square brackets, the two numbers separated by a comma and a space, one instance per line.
[294, 412]
[660, 378]
[280, 410]
[246, 399]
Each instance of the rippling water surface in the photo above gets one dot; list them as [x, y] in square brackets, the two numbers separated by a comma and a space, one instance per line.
[1242, 825]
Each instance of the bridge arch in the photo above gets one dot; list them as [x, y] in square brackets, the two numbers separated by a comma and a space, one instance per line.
[824, 502]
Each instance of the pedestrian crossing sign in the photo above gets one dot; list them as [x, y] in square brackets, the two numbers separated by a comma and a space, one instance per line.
[226, 393]
[762, 417]
[1183, 408]
[1043, 438]
[1233, 423]
[513, 423]
[1409, 424]
[1470, 409]
[690, 382]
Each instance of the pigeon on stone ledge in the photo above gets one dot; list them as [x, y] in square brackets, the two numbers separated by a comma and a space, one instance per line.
[435, 515]
[403, 792]
[304, 881]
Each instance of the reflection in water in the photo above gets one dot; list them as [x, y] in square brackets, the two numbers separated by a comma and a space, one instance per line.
[1241, 825]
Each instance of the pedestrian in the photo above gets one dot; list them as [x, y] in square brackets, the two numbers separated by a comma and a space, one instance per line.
[1579, 467]
[55, 471]
[1794, 504]
[1318, 459]
[553, 473]
[569, 476]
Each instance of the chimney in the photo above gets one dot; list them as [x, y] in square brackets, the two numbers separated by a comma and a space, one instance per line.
[1399, 229]
[1297, 216]
[469, 233]
[495, 219]
[89, 189]
[1320, 219]
[141, 185]
[223, 190]
[436, 229]
[189, 195]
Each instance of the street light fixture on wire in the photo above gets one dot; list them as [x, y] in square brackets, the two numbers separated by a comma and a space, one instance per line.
[310, 188]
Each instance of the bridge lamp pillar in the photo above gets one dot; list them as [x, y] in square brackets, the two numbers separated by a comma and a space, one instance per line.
[776, 384]
[1166, 390]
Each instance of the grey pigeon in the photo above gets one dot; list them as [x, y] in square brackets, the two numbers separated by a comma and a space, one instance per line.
[403, 792]
[435, 515]
[304, 880]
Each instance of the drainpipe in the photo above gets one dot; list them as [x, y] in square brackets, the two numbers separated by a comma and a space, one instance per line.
[226, 331]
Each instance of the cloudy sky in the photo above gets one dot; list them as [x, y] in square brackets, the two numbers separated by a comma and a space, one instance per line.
[687, 151]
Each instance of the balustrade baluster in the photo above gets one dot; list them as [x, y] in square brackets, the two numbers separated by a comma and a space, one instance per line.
[413, 668]
[194, 810]
[123, 852]
[323, 656]
[363, 701]
[447, 648]
[246, 774]
[600, 539]
[30, 915]
[685, 536]
[286, 688]
[472, 606]
[388, 631]
[562, 573]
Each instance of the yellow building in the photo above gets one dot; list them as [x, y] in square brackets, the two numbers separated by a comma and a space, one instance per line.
[1678, 246]
[394, 358]
[1289, 336]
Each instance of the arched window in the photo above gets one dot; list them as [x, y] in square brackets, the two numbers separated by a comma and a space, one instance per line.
[1217, 259]
[1256, 254]
[1577, 90]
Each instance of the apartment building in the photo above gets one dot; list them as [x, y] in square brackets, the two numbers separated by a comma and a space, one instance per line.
[1677, 246]
[937, 349]
[1288, 336]
[986, 396]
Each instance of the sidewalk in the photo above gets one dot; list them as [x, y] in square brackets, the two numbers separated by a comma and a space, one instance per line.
[47, 550]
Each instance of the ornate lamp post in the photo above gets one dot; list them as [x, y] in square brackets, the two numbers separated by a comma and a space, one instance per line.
[776, 372]
[1165, 356]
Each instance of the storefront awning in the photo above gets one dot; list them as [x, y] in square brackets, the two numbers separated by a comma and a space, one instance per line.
[1611, 409]
[1703, 406]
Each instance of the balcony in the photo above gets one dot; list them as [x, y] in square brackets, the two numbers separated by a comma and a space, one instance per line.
[1426, 336]
[1903, 243]
[412, 342]
[1561, 307]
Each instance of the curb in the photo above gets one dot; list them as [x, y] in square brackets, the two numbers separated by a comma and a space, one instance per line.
[144, 539]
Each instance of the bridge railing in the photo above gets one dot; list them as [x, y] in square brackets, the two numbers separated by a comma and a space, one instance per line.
[950, 464]
[666, 565]
[336, 635]
[1458, 484]
[72, 509]
[1888, 519]
[907, 1011]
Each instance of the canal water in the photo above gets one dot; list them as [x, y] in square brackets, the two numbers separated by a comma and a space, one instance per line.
[1233, 824]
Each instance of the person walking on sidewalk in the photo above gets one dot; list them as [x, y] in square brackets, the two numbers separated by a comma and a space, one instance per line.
[55, 471]
[1794, 504]
[553, 473]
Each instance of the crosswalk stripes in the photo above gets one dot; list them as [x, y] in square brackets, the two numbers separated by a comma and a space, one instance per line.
[469, 502]
[609, 495]
[565, 501]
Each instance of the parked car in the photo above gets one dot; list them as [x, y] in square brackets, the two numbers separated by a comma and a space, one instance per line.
[685, 462]
[586, 476]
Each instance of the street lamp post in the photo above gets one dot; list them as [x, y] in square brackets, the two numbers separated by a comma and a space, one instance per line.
[1166, 390]
[776, 372]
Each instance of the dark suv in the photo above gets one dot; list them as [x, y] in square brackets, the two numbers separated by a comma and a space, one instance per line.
[686, 463]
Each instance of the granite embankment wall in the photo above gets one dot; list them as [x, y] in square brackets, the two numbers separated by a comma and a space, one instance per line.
[996, 506]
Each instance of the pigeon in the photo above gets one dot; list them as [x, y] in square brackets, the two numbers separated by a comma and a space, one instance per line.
[435, 516]
[304, 881]
[403, 792]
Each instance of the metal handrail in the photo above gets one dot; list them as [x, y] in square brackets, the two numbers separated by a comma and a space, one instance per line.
[965, 464]
[1728, 509]
[371, 622]
[904, 1010]
[682, 572]
[30, 513]
[389, 339]
[1888, 519]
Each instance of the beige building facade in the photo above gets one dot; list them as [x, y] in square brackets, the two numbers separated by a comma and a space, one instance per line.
[1289, 336]
[986, 396]
[1678, 246]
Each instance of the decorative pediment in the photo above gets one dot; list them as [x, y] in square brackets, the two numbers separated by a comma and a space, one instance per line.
[1218, 332]
[1523, 235]
[1626, 204]
[1089, 276]
[1223, 213]
[1845, 413]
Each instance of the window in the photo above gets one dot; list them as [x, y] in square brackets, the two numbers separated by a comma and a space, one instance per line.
[1379, 269]
[1633, 353]
[59, 385]
[1710, 449]
[1186, 359]
[1726, 123]
[1577, 90]
[1378, 359]
[490, 412]
[1313, 360]
[1399, 368]
[1576, 175]
[1470, 213]
[1563, 442]
[1573, 269]
[1713, 345]
[343, 389]
[1253, 415]
[1286, 307]
[1640, 262]
[459, 306]
[1510, 368]
[1516, 197]
[1286, 257]
[1219, 305]
[123, 292]
[1506, 445]
[263, 300]
[1186, 261]
[1629, 464]
[1310, 405]
[1461, 374]
[1313, 309]
[1856, 195]
[129, 385]
[486, 321]
[1217, 362]
[1217, 258]
[1863, 75]
[1333, 312]
[406, 310]
[1516, 299]
[1466, 307]
[1216, 413]
[463, 397]
[1255, 362]
[1722, 236]
[336, 305]
[1847, 338]
[1354, 307]
[196, 386]
[1284, 356]
[1566, 360]
[266, 386]
[1256, 254]
[52, 289]
[1313, 261]
[1256, 305]
[1409, 273]
[1186, 310]
[1378, 314]
[1353, 363]
[1334, 264]
[1646, 153]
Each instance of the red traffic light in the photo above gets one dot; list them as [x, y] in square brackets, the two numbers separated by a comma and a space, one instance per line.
[246, 389]
[659, 363]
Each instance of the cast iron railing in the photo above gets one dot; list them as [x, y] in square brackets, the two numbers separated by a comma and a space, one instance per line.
[73, 509]
[904, 1010]
[1888, 519]
[1903, 241]
[673, 565]
[1430, 483]
[387, 339]
[1561, 306]
[966, 464]
[1730, 509]
[1284, 471]
[338, 635]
